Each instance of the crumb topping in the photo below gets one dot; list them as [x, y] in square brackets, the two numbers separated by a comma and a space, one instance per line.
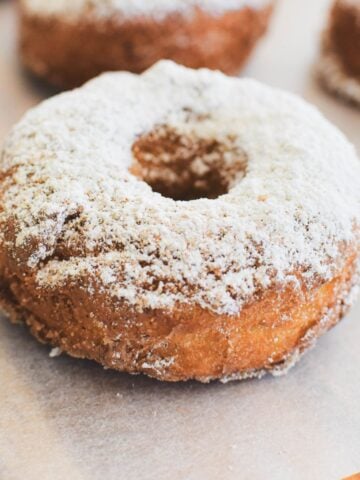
[71, 211]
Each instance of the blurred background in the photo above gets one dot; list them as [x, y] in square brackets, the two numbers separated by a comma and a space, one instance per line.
[284, 58]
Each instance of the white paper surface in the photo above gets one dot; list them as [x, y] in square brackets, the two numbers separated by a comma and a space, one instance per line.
[64, 418]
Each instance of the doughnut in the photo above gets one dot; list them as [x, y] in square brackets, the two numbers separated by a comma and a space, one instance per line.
[180, 223]
[68, 42]
[339, 66]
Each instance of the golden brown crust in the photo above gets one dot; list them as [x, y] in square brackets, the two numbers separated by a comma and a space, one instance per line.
[92, 310]
[356, 476]
[75, 52]
[185, 343]
[338, 69]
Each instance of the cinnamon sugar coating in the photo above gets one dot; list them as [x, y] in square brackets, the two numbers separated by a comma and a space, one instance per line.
[85, 42]
[242, 253]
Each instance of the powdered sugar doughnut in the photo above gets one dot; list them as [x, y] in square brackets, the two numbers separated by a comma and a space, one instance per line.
[339, 66]
[70, 41]
[180, 223]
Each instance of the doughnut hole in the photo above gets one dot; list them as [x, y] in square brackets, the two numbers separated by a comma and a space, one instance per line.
[186, 167]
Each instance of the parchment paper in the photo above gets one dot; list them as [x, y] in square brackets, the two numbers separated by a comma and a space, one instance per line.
[63, 418]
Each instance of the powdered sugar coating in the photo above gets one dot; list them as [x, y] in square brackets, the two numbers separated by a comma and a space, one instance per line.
[70, 185]
[129, 8]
